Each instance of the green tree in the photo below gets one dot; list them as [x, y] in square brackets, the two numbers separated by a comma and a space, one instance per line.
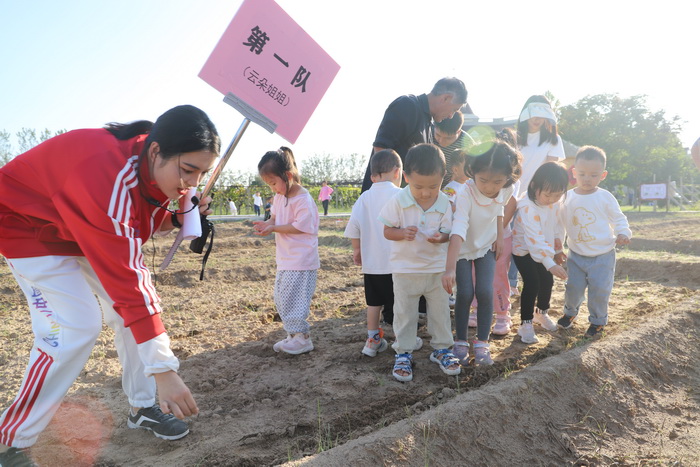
[27, 138]
[6, 152]
[346, 169]
[639, 142]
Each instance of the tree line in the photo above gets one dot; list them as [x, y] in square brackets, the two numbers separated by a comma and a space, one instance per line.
[640, 143]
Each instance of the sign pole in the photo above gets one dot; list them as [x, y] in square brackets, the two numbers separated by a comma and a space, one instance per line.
[224, 159]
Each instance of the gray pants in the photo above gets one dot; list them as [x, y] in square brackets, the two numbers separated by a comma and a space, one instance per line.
[482, 287]
[598, 274]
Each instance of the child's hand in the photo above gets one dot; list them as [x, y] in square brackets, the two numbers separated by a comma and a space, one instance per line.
[438, 237]
[448, 281]
[262, 228]
[357, 257]
[560, 258]
[558, 271]
[409, 233]
[497, 247]
[622, 240]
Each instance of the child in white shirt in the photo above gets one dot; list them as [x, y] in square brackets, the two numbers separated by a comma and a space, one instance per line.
[594, 224]
[371, 249]
[477, 240]
[417, 220]
[537, 235]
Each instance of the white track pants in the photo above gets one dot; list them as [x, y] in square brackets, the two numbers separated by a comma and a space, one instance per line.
[66, 320]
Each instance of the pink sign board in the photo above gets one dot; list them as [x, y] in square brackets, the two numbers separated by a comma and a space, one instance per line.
[270, 69]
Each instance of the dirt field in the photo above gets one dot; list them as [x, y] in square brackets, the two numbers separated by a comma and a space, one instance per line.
[629, 398]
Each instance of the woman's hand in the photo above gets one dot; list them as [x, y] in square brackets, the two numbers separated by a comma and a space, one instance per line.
[204, 205]
[174, 396]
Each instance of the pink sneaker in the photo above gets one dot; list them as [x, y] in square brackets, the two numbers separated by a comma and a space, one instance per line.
[297, 344]
[472, 319]
[278, 345]
[503, 325]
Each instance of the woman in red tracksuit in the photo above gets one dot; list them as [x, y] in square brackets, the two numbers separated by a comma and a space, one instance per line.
[74, 213]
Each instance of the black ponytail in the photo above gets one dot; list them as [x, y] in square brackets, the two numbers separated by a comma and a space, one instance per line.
[124, 131]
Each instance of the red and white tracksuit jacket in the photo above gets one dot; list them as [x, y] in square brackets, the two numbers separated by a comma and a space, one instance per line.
[73, 217]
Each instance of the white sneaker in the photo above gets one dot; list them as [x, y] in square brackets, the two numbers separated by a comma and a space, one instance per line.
[503, 325]
[527, 333]
[451, 300]
[372, 346]
[472, 319]
[542, 318]
[297, 344]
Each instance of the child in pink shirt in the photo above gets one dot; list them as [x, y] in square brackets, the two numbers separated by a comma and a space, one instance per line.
[294, 220]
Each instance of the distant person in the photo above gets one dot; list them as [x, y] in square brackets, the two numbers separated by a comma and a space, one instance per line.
[476, 241]
[268, 209]
[537, 238]
[257, 203]
[74, 212]
[324, 196]
[594, 225]
[695, 153]
[233, 210]
[409, 119]
[294, 221]
[417, 220]
[451, 138]
[371, 249]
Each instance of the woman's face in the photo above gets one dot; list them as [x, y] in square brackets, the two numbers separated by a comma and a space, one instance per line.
[176, 175]
[534, 124]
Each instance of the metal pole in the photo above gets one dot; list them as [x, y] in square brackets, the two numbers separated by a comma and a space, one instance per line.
[224, 159]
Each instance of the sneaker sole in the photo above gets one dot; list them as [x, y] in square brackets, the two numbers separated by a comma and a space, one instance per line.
[133, 425]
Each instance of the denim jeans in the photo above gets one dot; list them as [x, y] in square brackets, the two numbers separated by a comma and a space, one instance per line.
[467, 288]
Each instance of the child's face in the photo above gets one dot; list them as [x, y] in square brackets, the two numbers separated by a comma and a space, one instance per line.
[588, 173]
[276, 183]
[490, 183]
[547, 197]
[424, 188]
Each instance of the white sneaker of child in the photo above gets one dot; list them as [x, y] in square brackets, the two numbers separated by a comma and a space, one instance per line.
[542, 318]
[298, 344]
[527, 333]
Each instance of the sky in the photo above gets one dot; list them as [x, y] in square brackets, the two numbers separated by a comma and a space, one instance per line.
[82, 63]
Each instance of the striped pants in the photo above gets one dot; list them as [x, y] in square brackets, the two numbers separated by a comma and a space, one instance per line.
[66, 303]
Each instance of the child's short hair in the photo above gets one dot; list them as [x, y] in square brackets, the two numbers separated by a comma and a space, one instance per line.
[550, 176]
[592, 153]
[425, 159]
[384, 161]
[501, 158]
[458, 157]
[280, 163]
[452, 125]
